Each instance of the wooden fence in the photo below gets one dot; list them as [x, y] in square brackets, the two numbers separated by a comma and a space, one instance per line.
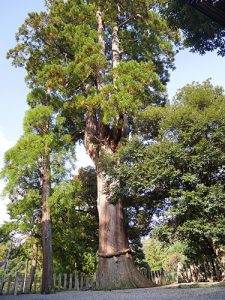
[20, 283]
[157, 277]
[205, 271]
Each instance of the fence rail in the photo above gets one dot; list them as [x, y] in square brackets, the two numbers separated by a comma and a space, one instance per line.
[157, 277]
[20, 284]
[205, 271]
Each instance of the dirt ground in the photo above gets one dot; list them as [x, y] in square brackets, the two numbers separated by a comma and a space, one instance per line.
[159, 293]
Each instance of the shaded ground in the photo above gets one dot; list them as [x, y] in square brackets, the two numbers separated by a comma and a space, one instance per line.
[210, 293]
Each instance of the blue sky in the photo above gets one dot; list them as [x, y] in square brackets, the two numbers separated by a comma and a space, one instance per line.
[189, 67]
[12, 86]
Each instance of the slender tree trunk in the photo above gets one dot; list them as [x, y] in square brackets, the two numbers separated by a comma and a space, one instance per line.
[101, 41]
[47, 269]
[115, 61]
[115, 48]
[33, 263]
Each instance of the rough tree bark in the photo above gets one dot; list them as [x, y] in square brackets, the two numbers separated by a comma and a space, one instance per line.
[116, 270]
[47, 269]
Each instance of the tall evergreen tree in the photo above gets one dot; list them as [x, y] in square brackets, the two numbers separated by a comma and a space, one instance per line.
[31, 168]
[108, 61]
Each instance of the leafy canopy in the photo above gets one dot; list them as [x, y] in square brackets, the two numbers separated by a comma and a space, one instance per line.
[177, 172]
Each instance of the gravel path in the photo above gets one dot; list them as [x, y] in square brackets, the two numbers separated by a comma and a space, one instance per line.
[216, 293]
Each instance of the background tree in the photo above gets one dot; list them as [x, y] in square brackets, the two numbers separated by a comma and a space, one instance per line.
[180, 166]
[197, 209]
[31, 168]
[74, 229]
[75, 223]
[200, 33]
[154, 254]
[17, 249]
[107, 61]
[159, 254]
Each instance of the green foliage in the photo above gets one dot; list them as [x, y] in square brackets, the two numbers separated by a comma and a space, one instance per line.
[74, 226]
[175, 253]
[40, 153]
[60, 50]
[173, 166]
[199, 32]
[154, 254]
[159, 255]
[75, 223]
[197, 123]
[23, 169]
[20, 253]
[176, 173]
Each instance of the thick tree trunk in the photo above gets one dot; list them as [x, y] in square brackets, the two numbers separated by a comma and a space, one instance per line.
[116, 270]
[33, 263]
[47, 269]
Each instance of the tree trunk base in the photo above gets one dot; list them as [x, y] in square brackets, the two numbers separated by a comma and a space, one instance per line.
[120, 273]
